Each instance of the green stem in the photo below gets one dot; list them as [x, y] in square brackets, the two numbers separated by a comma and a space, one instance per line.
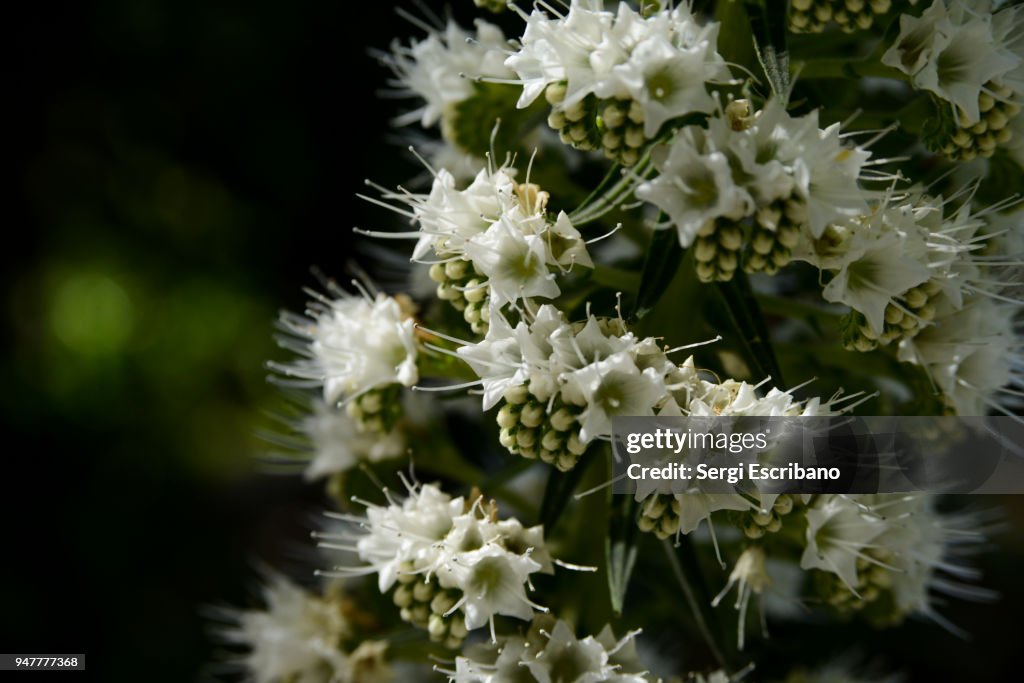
[844, 68]
[614, 196]
[660, 265]
[748, 320]
[692, 600]
[795, 308]
[602, 187]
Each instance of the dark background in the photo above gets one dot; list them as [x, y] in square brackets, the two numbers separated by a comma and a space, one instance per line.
[179, 167]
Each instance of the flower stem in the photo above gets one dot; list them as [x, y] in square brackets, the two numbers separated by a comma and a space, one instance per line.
[698, 607]
[749, 322]
[845, 68]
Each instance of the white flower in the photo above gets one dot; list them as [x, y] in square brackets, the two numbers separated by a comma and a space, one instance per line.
[515, 263]
[926, 550]
[955, 53]
[663, 61]
[838, 532]
[919, 38]
[610, 387]
[352, 344]
[397, 536]
[337, 443]
[900, 539]
[559, 50]
[551, 653]
[565, 244]
[498, 225]
[440, 68]
[458, 544]
[694, 188]
[959, 71]
[750, 576]
[826, 174]
[669, 81]
[735, 168]
[493, 581]
[506, 666]
[877, 270]
[973, 354]
[596, 365]
[299, 637]
[449, 217]
[571, 659]
[878, 262]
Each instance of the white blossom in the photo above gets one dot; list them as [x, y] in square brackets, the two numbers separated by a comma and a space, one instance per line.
[694, 188]
[956, 52]
[595, 364]
[440, 68]
[552, 653]
[498, 225]
[301, 637]
[351, 344]
[430, 535]
[664, 61]
[736, 168]
[750, 577]
[974, 355]
[338, 444]
[919, 551]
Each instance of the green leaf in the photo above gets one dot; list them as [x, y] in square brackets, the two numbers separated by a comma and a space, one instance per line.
[620, 547]
[745, 314]
[560, 488]
[660, 265]
[615, 278]
[768, 27]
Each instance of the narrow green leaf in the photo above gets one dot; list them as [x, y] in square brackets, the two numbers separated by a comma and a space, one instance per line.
[660, 265]
[768, 27]
[559, 490]
[683, 562]
[616, 278]
[745, 313]
[620, 547]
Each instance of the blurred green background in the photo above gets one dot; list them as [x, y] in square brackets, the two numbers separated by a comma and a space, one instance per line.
[179, 166]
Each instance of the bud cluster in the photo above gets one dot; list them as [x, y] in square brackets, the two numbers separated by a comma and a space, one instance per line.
[613, 126]
[462, 285]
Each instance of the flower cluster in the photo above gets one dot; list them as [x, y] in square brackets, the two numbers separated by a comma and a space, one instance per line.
[563, 382]
[460, 78]
[452, 564]
[328, 440]
[613, 79]
[749, 188]
[895, 266]
[303, 637]
[551, 651]
[666, 512]
[443, 68]
[351, 345]
[491, 243]
[974, 355]
[973, 63]
[917, 266]
[884, 557]
[887, 555]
